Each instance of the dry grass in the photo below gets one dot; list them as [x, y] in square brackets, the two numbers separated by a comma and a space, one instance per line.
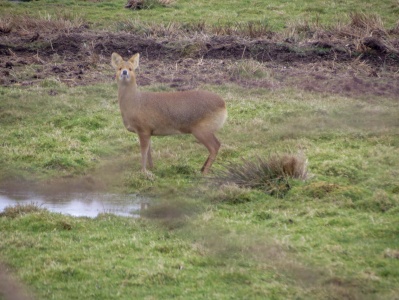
[42, 23]
[360, 25]
[151, 29]
[391, 253]
[363, 31]
[297, 31]
[5, 25]
[20, 209]
[251, 29]
[148, 4]
[271, 175]
[248, 69]
[156, 29]
[367, 23]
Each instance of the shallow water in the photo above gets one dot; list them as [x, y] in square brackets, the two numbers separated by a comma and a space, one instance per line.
[79, 204]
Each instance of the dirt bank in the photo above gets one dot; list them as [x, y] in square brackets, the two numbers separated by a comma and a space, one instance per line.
[82, 57]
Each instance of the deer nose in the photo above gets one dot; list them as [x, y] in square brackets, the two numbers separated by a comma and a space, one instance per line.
[124, 72]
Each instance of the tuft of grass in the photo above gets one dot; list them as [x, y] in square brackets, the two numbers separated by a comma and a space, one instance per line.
[366, 22]
[148, 28]
[249, 29]
[271, 175]
[391, 253]
[233, 194]
[19, 210]
[248, 69]
[148, 4]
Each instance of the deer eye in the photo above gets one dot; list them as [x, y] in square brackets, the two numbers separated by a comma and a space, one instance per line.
[120, 69]
[130, 69]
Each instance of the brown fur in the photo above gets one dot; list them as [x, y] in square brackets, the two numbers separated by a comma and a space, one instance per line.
[200, 113]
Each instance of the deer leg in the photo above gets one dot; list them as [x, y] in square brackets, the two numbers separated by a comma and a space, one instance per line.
[210, 141]
[149, 157]
[145, 147]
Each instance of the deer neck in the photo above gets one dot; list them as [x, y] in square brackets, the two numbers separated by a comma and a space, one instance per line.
[127, 94]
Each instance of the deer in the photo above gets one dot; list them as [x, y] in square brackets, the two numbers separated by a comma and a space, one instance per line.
[197, 112]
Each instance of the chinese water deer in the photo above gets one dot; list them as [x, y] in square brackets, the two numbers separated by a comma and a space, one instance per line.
[199, 113]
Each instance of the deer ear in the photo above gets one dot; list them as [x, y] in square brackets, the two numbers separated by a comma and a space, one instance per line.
[116, 59]
[135, 60]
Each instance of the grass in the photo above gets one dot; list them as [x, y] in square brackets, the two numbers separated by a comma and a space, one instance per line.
[277, 14]
[274, 252]
[257, 249]
[74, 133]
[56, 139]
[333, 235]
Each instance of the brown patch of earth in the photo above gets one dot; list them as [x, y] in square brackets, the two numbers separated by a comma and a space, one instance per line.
[82, 57]
[10, 288]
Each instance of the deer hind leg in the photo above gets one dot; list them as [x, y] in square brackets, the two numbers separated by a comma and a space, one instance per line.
[209, 140]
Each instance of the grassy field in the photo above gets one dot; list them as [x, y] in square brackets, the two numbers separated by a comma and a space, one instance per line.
[277, 14]
[334, 235]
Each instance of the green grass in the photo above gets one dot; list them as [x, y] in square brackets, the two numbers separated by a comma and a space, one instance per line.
[344, 138]
[277, 14]
[331, 236]
[58, 129]
[262, 249]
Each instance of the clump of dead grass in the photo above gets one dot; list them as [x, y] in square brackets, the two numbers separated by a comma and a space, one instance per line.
[299, 30]
[251, 29]
[367, 23]
[391, 253]
[19, 210]
[147, 4]
[233, 194]
[155, 29]
[270, 175]
[248, 69]
[5, 25]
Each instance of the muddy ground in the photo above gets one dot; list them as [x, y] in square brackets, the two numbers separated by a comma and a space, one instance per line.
[82, 57]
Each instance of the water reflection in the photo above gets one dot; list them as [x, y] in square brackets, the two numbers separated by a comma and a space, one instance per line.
[78, 204]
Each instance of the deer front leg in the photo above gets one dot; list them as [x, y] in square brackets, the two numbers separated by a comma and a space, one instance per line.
[145, 141]
[149, 157]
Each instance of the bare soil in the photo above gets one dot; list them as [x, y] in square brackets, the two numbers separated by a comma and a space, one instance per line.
[83, 57]
[10, 288]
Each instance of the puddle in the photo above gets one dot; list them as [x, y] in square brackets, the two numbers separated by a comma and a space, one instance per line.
[79, 204]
